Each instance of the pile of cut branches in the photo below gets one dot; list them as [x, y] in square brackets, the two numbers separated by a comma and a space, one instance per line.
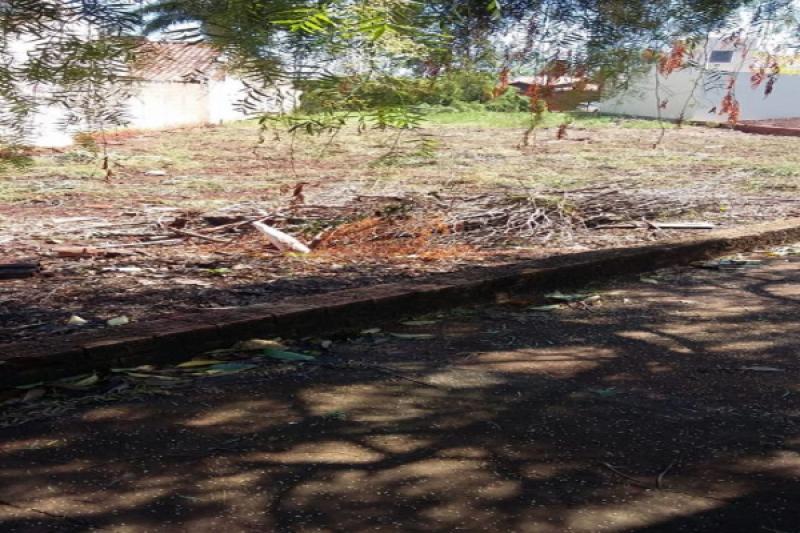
[599, 206]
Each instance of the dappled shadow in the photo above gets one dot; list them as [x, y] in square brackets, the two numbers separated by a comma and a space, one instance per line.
[671, 407]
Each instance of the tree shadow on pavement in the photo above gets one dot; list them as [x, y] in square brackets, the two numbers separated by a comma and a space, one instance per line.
[670, 407]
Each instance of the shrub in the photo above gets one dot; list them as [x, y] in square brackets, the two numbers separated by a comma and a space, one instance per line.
[465, 86]
[357, 93]
[511, 101]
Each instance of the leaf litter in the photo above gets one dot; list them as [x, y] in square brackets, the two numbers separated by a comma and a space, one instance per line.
[118, 321]
[552, 307]
[40, 400]
[413, 336]
[729, 264]
[75, 320]
[283, 355]
[199, 363]
[229, 368]
[573, 297]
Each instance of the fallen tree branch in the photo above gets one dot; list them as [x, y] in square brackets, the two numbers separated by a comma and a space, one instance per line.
[238, 224]
[660, 478]
[280, 240]
[683, 225]
[141, 243]
[200, 236]
[635, 481]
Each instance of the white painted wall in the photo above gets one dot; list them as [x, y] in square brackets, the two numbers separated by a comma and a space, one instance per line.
[676, 89]
[154, 105]
[225, 97]
[46, 128]
[157, 105]
[640, 99]
[782, 103]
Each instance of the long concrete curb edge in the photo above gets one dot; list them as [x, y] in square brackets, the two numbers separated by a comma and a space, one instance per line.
[176, 338]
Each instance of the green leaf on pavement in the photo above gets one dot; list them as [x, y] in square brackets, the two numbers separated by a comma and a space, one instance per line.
[552, 307]
[75, 320]
[419, 322]
[30, 385]
[229, 368]
[194, 363]
[118, 321]
[762, 369]
[729, 264]
[141, 368]
[160, 377]
[574, 297]
[283, 355]
[610, 391]
[78, 382]
[413, 336]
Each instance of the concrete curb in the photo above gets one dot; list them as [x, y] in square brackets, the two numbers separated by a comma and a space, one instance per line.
[762, 129]
[179, 337]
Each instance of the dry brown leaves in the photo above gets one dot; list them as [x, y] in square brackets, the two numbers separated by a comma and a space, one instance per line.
[393, 236]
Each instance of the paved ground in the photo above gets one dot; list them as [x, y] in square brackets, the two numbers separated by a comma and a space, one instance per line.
[668, 404]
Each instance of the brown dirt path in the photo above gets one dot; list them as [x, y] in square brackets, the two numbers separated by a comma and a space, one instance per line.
[671, 404]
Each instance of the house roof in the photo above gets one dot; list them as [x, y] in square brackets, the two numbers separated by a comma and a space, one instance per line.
[545, 80]
[177, 62]
[563, 82]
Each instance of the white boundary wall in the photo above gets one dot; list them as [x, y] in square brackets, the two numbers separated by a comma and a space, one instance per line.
[677, 90]
[159, 105]
[225, 96]
[156, 105]
[168, 104]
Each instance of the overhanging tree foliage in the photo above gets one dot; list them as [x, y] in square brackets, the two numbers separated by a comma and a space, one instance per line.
[64, 52]
[77, 49]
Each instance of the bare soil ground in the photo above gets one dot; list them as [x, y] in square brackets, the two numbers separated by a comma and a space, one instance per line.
[169, 231]
[666, 403]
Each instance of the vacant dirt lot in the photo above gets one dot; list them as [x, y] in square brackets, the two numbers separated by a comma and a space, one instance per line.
[170, 229]
[666, 403]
